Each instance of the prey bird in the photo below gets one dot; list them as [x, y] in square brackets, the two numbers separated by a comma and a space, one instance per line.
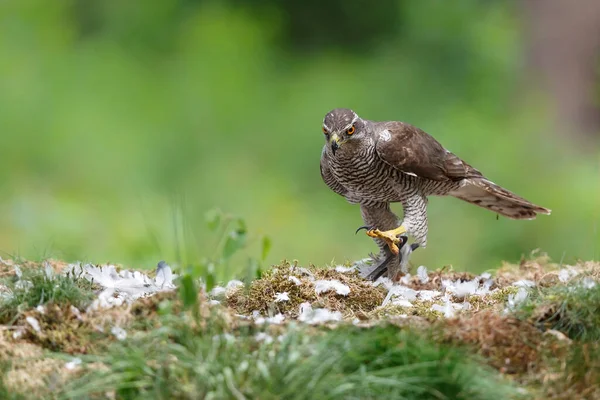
[374, 164]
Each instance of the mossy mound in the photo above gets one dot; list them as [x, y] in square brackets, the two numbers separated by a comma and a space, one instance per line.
[299, 284]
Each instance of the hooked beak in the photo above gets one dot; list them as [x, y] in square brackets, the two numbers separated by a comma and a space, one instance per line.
[335, 143]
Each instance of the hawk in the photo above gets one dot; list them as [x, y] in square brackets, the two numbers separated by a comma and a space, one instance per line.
[374, 164]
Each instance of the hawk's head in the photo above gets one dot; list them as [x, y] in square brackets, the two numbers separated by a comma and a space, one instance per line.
[342, 125]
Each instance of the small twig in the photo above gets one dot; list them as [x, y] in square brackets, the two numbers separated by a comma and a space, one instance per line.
[11, 327]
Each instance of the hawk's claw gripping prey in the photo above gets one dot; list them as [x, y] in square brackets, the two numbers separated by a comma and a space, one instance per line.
[405, 252]
[390, 237]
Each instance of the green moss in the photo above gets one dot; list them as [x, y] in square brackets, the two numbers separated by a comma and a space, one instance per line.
[62, 331]
[497, 298]
[420, 309]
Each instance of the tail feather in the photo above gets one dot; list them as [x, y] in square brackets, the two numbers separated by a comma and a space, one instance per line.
[484, 193]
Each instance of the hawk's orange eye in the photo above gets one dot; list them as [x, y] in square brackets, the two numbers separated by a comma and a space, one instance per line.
[351, 130]
[325, 131]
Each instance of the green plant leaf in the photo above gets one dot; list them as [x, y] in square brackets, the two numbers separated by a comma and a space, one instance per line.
[236, 240]
[210, 278]
[188, 291]
[266, 247]
[213, 219]
[252, 268]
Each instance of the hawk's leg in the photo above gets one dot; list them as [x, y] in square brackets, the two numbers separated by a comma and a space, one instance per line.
[415, 221]
[379, 215]
[383, 226]
[414, 224]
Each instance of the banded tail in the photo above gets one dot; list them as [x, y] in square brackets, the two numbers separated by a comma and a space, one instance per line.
[484, 193]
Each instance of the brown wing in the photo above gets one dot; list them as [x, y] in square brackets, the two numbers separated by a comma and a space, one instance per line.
[413, 151]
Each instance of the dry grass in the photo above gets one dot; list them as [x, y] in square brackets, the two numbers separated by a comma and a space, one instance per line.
[576, 375]
[508, 344]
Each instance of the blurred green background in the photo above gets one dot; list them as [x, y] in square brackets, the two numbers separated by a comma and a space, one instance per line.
[118, 116]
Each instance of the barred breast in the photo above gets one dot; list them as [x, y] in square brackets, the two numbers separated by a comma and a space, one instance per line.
[367, 179]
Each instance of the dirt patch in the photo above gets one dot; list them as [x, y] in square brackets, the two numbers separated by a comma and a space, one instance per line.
[27, 371]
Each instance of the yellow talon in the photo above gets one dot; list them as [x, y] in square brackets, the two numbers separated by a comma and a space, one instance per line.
[390, 237]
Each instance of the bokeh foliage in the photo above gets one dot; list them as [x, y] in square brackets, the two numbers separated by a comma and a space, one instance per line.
[122, 123]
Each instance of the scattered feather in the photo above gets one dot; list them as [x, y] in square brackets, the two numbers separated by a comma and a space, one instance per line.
[164, 275]
[233, 284]
[124, 286]
[323, 286]
[34, 323]
[461, 289]
[588, 283]
[364, 266]
[295, 280]
[558, 335]
[385, 282]
[343, 269]
[264, 337]
[318, 315]
[23, 284]
[565, 274]
[399, 292]
[524, 283]
[422, 274]
[405, 280]
[75, 311]
[277, 319]
[428, 295]
[48, 271]
[218, 292]
[447, 309]
[517, 298]
[402, 303]
[73, 364]
[119, 333]
[279, 297]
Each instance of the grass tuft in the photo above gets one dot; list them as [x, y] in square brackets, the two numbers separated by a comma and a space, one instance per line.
[572, 309]
[577, 377]
[182, 360]
[36, 288]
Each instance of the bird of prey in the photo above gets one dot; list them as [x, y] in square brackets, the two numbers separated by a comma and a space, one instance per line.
[377, 163]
